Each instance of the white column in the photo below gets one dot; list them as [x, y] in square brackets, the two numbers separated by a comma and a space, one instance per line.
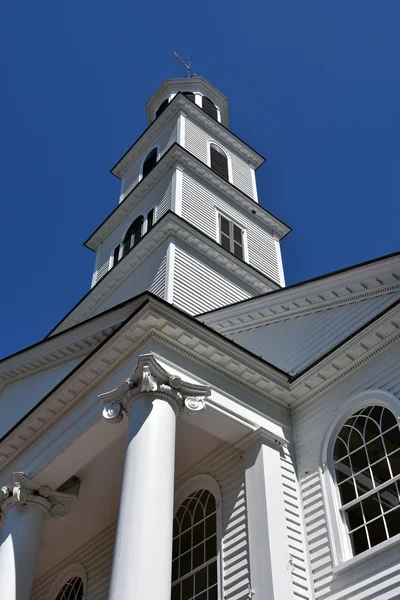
[270, 566]
[25, 507]
[143, 549]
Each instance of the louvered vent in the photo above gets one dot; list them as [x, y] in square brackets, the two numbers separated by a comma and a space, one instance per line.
[210, 108]
[219, 161]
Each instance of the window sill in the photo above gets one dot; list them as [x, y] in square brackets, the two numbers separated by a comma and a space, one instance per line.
[367, 555]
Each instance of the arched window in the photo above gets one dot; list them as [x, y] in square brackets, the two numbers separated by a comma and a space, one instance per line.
[71, 590]
[195, 548]
[149, 162]
[210, 108]
[219, 161]
[162, 107]
[366, 462]
[71, 584]
[133, 235]
[189, 95]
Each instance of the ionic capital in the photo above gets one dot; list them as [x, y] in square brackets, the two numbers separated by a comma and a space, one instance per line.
[23, 491]
[152, 381]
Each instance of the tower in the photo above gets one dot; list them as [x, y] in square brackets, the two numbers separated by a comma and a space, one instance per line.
[188, 221]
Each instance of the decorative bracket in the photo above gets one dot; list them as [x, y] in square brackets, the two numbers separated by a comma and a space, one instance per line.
[23, 491]
[151, 380]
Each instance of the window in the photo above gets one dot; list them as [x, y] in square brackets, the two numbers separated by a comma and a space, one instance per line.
[162, 107]
[210, 108]
[189, 95]
[116, 255]
[231, 236]
[71, 590]
[219, 161]
[195, 548]
[133, 235]
[150, 220]
[366, 462]
[149, 162]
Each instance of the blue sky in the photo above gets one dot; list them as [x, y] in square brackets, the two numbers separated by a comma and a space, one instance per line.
[313, 86]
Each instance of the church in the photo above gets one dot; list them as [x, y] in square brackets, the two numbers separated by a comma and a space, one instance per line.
[193, 429]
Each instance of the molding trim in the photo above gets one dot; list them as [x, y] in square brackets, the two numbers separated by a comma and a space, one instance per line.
[261, 436]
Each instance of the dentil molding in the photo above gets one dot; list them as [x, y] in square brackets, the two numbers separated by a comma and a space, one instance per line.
[151, 380]
[23, 491]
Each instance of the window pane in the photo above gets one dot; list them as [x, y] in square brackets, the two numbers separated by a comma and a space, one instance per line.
[198, 555]
[187, 588]
[225, 242]
[347, 491]
[371, 507]
[359, 460]
[211, 547]
[185, 564]
[211, 526]
[175, 592]
[376, 532]
[224, 225]
[394, 460]
[359, 541]
[237, 234]
[212, 573]
[201, 580]
[393, 522]
[354, 517]
[198, 533]
[238, 250]
[212, 593]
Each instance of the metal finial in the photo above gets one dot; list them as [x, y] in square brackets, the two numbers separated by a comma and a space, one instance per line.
[191, 73]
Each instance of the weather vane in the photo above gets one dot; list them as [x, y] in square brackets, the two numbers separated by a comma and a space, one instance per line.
[187, 65]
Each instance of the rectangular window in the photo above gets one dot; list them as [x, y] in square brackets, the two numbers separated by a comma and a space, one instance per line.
[150, 220]
[231, 237]
[115, 256]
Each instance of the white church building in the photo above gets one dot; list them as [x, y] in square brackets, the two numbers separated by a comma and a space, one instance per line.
[193, 429]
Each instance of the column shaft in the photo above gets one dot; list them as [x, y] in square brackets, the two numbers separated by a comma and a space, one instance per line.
[20, 541]
[143, 549]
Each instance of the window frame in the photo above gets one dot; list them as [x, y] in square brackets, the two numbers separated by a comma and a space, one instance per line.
[205, 482]
[341, 548]
[218, 213]
[229, 160]
[72, 570]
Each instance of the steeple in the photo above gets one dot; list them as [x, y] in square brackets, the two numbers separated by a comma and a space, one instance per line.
[188, 226]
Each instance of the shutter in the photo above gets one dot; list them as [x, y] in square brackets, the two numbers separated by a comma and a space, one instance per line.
[189, 95]
[210, 108]
[219, 163]
[150, 162]
[162, 107]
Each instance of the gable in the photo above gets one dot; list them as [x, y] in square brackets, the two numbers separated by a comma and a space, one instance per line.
[293, 344]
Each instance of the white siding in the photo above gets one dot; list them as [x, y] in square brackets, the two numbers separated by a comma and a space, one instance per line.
[199, 286]
[149, 276]
[226, 466]
[159, 197]
[167, 137]
[196, 142]
[379, 578]
[292, 344]
[199, 206]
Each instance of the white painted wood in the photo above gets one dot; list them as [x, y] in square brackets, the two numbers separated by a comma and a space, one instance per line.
[270, 559]
[379, 577]
[20, 540]
[197, 141]
[146, 510]
[292, 344]
[199, 204]
[194, 278]
[170, 273]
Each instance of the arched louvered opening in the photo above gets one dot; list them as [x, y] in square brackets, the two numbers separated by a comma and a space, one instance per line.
[150, 162]
[219, 161]
[195, 553]
[73, 589]
[162, 107]
[366, 461]
[133, 235]
[189, 95]
[210, 108]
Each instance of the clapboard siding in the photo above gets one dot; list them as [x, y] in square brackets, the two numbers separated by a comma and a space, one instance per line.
[199, 207]
[149, 276]
[226, 466]
[159, 198]
[379, 579]
[199, 286]
[292, 344]
[196, 142]
[167, 137]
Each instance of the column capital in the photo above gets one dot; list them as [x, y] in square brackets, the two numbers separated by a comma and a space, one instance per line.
[23, 491]
[152, 380]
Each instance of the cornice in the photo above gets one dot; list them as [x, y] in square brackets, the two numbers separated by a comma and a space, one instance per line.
[177, 156]
[169, 226]
[356, 284]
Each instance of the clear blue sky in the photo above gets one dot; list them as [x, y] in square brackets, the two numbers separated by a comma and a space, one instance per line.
[314, 86]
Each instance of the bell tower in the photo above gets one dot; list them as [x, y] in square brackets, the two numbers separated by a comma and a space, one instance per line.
[188, 226]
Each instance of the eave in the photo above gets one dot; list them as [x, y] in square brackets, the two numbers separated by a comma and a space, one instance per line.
[177, 155]
[169, 226]
[355, 283]
[181, 104]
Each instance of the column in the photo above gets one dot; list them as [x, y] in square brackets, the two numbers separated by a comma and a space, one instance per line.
[270, 566]
[153, 399]
[25, 506]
